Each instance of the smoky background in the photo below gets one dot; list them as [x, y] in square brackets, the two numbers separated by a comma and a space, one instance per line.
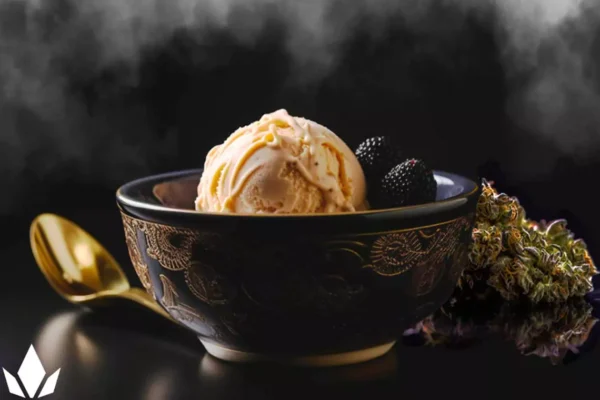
[97, 92]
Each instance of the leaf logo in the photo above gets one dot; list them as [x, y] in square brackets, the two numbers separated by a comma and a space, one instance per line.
[31, 373]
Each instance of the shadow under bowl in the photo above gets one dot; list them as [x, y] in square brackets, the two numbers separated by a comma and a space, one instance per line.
[318, 289]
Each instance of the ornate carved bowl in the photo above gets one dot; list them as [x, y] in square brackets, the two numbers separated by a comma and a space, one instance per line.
[323, 289]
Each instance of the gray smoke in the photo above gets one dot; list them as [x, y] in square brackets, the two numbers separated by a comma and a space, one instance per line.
[555, 39]
[45, 129]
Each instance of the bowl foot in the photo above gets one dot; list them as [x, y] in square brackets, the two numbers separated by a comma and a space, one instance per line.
[322, 360]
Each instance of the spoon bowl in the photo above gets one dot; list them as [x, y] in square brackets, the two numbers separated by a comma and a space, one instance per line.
[79, 268]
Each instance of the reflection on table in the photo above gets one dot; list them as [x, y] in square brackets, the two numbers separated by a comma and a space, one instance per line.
[558, 332]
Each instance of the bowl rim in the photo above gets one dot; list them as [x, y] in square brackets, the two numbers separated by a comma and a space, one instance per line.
[131, 202]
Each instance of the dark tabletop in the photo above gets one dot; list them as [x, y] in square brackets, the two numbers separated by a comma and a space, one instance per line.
[126, 353]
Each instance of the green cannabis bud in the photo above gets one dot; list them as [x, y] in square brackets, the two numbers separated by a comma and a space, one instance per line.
[521, 258]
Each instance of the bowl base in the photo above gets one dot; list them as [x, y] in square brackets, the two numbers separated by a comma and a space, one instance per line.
[324, 360]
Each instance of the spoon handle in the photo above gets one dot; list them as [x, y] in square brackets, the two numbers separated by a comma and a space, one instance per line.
[143, 298]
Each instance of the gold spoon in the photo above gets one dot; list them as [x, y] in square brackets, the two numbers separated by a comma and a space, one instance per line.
[79, 268]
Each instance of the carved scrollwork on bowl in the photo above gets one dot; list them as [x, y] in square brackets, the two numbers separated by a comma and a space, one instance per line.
[207, 285]
[350, 253]
[227, 286]
[130, 226]
[398, 252]
[170, 301]
[335, 294]
[395, 253]
[448, 242]
[230, 326]
[460, 255]
[171, 247]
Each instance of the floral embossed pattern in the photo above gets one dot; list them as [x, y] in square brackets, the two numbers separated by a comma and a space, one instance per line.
[170, 301]
[131, 226]
[207, 285]
[232, 284]
[395, 253]
[171, 247]
[426, 250]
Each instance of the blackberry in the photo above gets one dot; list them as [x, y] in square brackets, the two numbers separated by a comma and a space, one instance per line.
[408, 183]
[377, 155]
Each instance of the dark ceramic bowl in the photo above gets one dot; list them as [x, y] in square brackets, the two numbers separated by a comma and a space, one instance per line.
[319, 289]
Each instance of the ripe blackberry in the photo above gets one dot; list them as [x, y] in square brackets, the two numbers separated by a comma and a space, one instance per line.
[377, 155]
[408, 183]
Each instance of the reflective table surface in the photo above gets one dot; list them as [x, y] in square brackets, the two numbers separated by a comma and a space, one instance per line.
[469, 349]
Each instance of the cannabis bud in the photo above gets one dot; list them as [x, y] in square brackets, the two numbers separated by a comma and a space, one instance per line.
[523, 258]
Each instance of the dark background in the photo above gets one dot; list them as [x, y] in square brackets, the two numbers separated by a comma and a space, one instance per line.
[443, 89]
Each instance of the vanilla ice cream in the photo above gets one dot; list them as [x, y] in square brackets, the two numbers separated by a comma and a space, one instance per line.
[282, 165]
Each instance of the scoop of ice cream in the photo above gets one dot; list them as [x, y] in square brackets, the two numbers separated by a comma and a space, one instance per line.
[281, 164]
